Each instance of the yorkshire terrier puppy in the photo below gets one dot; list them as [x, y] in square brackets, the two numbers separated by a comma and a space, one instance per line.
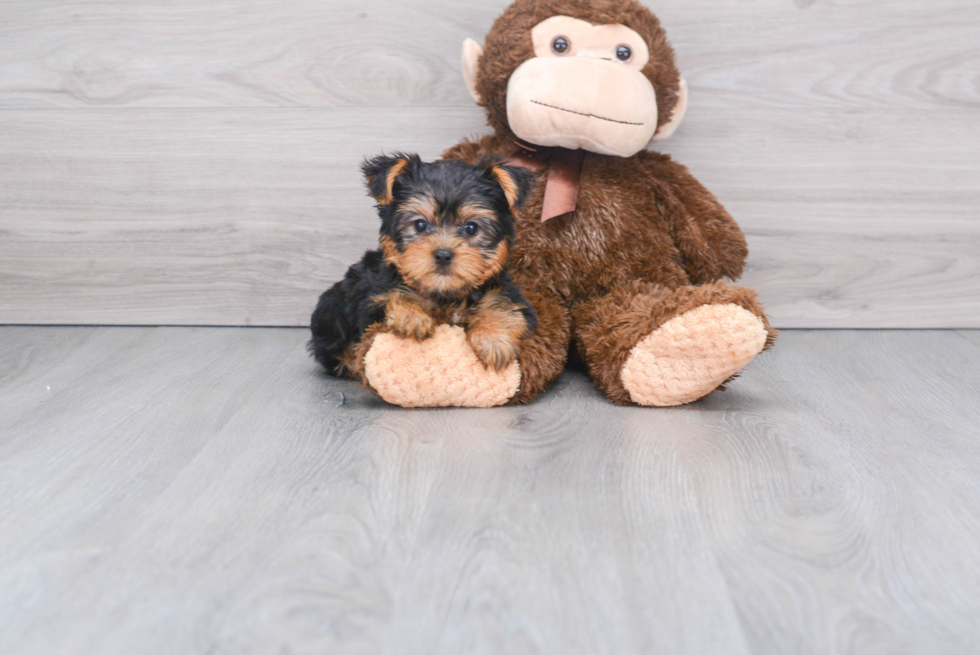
[446, 230]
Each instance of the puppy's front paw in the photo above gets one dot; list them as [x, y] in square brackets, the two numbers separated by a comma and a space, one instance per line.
[410, 322]
[495, 348]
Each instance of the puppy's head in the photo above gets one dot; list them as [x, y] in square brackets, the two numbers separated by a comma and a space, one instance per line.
[446, 225]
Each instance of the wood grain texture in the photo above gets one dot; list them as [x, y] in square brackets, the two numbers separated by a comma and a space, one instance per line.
[198, 217]
[336, 53]
[244, 216]
[195, 163]
[971, 335]
[192, 490]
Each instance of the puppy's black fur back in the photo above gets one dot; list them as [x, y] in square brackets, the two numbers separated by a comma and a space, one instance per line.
[346, 310]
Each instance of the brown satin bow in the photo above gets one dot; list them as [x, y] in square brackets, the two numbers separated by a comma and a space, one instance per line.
[564, 173]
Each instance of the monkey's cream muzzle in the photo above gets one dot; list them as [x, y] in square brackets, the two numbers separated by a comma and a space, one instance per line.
[584, 96]
[578, 92]
[582, 102]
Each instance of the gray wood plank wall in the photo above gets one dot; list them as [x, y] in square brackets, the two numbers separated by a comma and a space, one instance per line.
[183, 162]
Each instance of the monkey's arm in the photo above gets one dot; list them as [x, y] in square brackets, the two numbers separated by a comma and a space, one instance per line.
[708, 238]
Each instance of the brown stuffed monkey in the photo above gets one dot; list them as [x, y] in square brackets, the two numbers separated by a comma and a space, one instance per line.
[621, 251]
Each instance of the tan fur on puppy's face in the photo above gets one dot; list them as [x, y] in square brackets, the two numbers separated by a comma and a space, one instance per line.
[476, 258]
[471, 267]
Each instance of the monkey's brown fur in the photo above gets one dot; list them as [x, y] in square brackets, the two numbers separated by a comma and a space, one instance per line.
[625, 262]
[646, 243]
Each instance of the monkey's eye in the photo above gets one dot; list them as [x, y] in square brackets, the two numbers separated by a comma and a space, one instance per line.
[560, 45]
[421, 225]
[623, 53]
[471, 228]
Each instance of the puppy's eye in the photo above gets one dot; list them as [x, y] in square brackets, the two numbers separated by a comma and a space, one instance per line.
[470, 229]
[560, 45]
[421, 225]
[624, 53]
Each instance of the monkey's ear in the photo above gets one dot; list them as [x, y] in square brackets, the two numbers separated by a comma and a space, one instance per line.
[383, 173]
[514, 180]
[471, 64]
[667, 129]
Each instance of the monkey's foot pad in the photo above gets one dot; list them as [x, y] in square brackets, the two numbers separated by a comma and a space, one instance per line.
[691, 355]
[442, 371]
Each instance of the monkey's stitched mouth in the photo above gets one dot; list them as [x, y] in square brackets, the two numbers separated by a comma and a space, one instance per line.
[579, 113]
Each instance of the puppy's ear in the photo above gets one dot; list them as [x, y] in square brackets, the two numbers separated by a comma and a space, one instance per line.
[384, 173]
[514, 180]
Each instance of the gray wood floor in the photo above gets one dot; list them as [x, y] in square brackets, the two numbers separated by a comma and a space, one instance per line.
[195, 163]
[192, 490]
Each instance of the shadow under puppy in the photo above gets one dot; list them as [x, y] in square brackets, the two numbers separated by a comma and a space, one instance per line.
[446, 231]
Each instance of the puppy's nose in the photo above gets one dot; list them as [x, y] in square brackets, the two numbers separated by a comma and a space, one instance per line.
[444, 256]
